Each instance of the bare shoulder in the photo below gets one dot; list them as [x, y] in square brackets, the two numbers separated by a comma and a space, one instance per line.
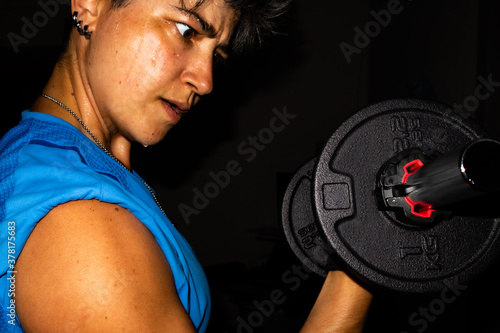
[91, 266]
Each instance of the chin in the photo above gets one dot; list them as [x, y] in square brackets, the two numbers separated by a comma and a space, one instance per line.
[156, 137]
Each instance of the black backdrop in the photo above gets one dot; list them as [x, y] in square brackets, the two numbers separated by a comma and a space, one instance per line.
[321, 71]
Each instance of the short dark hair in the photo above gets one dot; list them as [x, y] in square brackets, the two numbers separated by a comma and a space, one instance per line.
[257, 19]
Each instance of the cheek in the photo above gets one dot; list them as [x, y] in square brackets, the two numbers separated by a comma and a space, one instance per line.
[135, 61]
[154, 74]
[160, 65]
[139, 64]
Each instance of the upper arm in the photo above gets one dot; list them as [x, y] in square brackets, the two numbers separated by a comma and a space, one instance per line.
[90, 266]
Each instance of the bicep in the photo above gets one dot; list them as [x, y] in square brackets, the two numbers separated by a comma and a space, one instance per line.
[91, 266]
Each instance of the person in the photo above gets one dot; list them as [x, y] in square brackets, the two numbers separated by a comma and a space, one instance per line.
[88, 246]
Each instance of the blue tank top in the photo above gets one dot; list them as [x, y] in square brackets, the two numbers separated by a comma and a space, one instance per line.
[44, 162]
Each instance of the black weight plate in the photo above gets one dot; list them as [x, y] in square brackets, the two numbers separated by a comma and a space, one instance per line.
[373, 244]
[301, 228]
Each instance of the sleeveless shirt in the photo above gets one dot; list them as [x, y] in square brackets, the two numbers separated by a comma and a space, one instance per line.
[44, 162]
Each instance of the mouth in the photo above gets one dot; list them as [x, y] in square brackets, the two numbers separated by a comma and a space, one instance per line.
[175, 110]
[178, 108]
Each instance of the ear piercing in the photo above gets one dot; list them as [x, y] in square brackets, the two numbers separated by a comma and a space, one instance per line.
[78, 24]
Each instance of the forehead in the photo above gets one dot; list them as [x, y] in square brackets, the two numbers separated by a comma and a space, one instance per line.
[194, 4]
[218, 13]
[222, 6]
[214, 8]
[191, 5]
[217, 18]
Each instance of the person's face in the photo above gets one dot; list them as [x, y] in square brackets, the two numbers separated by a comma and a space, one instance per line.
[149, 60]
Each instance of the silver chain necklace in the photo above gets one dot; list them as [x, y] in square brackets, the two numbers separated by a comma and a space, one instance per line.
[102, 146]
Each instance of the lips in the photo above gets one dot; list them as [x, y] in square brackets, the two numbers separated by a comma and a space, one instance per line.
[175, 110]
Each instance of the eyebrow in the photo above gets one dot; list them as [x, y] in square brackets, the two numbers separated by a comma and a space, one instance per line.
[207, 28]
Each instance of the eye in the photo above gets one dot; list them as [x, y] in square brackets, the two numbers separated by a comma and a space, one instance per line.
[185, 30]
[219, 59]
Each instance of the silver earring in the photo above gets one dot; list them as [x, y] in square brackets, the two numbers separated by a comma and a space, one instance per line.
[78, 24]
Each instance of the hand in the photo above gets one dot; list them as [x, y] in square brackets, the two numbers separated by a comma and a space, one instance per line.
[342, 306]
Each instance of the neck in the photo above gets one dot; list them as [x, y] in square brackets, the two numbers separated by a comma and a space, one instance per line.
[67, 85]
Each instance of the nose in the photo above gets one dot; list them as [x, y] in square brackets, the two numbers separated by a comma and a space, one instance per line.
[198, 73]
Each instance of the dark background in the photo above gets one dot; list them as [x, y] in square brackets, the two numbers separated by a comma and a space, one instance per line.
[432, 49]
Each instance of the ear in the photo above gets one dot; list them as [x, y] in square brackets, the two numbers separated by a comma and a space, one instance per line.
[88, 11]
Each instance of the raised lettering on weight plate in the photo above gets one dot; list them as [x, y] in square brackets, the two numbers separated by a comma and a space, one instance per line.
[407, 133]
[307, 236]
[429, 249]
